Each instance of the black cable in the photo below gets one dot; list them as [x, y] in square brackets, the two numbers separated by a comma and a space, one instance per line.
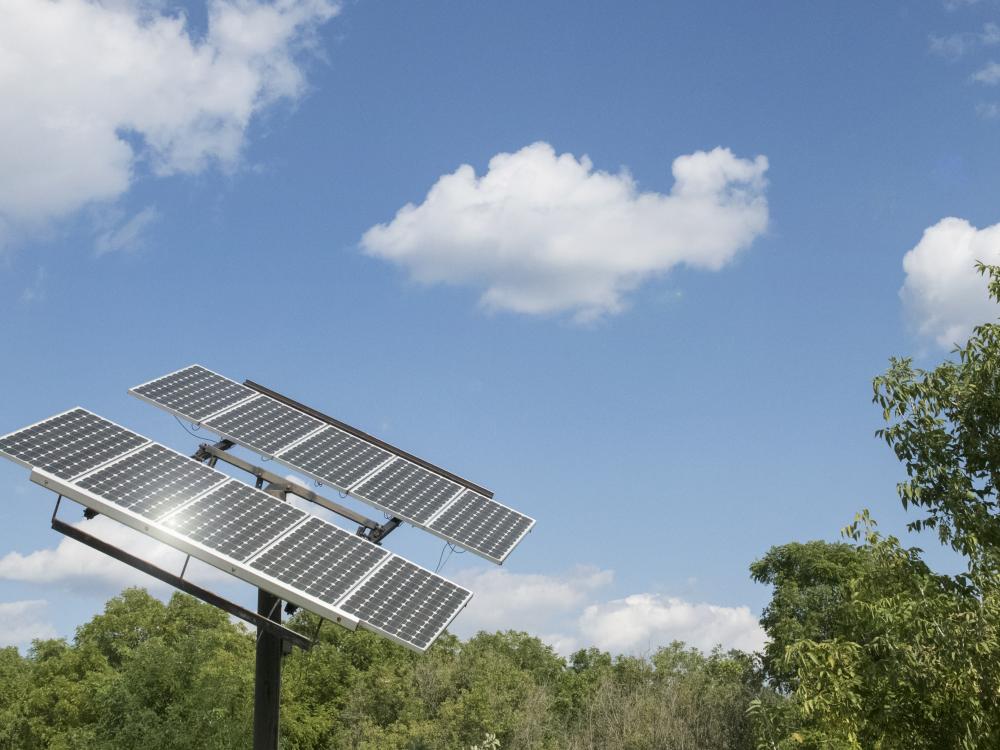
[186, 429]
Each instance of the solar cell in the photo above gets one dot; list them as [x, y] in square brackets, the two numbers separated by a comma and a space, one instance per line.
[406, 602]
[335, 458]
[69, 444]
[235, 519]
[194, 393]
[263, 425]
[152, 481]
[482, 524]
[407, 490]
[321, 559]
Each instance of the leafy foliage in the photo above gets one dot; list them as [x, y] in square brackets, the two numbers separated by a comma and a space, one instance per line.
[872, 648]
[149, 675]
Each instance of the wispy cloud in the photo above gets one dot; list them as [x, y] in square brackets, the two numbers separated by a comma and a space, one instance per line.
[988, 74]
[957, 45]
[129, 236]
[35, 291]
[542, 232]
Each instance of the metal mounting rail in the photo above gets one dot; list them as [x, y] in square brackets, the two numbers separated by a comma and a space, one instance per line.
[253, 618]
[369, 438]
[371, 530]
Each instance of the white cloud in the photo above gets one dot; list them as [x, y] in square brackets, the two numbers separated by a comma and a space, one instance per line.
[643, 622]
[944, 295]
[23, 621]
[988, 74]
[92, 90]
[72, 562]
[566, 612]
[540, 604]
[546, 233]
[956, 45]
[128, 237]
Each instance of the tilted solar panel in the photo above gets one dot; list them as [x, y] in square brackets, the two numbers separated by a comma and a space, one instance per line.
[235, 520]
[69, 444]
[475, 521]
[351, 465]
[407, 490]
[243, 531]
[405, 602]
[264, 425]
[321, 559]
[194, 392]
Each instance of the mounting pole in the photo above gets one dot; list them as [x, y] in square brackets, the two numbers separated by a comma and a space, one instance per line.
[267, 678]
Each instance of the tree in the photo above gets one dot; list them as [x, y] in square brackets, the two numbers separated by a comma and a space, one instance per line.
[874, 649]
[944, 426]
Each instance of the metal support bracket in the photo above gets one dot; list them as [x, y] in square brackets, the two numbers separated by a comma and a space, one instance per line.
[209, 597]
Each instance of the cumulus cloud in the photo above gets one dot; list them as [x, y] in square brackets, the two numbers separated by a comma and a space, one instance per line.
[24, 621]
[540, 604]
[567, 612]
[91, 90]
[542, 232]
[643, 622]
[76, 564]
[944, 295]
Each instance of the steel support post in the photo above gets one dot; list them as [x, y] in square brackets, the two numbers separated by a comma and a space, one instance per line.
[267, 677]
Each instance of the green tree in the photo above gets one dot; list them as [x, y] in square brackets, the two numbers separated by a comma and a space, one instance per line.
[874, 648]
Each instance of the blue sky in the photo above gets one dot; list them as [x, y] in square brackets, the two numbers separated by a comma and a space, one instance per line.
[670, 384]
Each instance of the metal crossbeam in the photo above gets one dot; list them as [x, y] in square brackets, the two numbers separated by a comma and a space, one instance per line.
[259, 621]
[368, 528]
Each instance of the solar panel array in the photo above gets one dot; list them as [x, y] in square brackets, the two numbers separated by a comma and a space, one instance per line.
[343, 461]
[256, 537]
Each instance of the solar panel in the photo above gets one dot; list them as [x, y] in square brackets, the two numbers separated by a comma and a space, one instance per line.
[398, 486]
[321, 559]
[235, 520]
[69, 444]
[406, 603]
[263, 425]
[152, 481]
[257, 538]
[407, 490]
[194, 393]
[486, 525]
[335, 458]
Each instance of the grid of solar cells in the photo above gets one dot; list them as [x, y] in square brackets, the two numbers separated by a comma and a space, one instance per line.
[482, 524]
[335, 457]
[264, 425]
[320, 559]
[406, 601]
[70, 444]
[194, 392]
[235, 520]
[407, 490]
[152, 482]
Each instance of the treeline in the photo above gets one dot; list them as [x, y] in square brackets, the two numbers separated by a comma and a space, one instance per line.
[156, 676]
[868, 648]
